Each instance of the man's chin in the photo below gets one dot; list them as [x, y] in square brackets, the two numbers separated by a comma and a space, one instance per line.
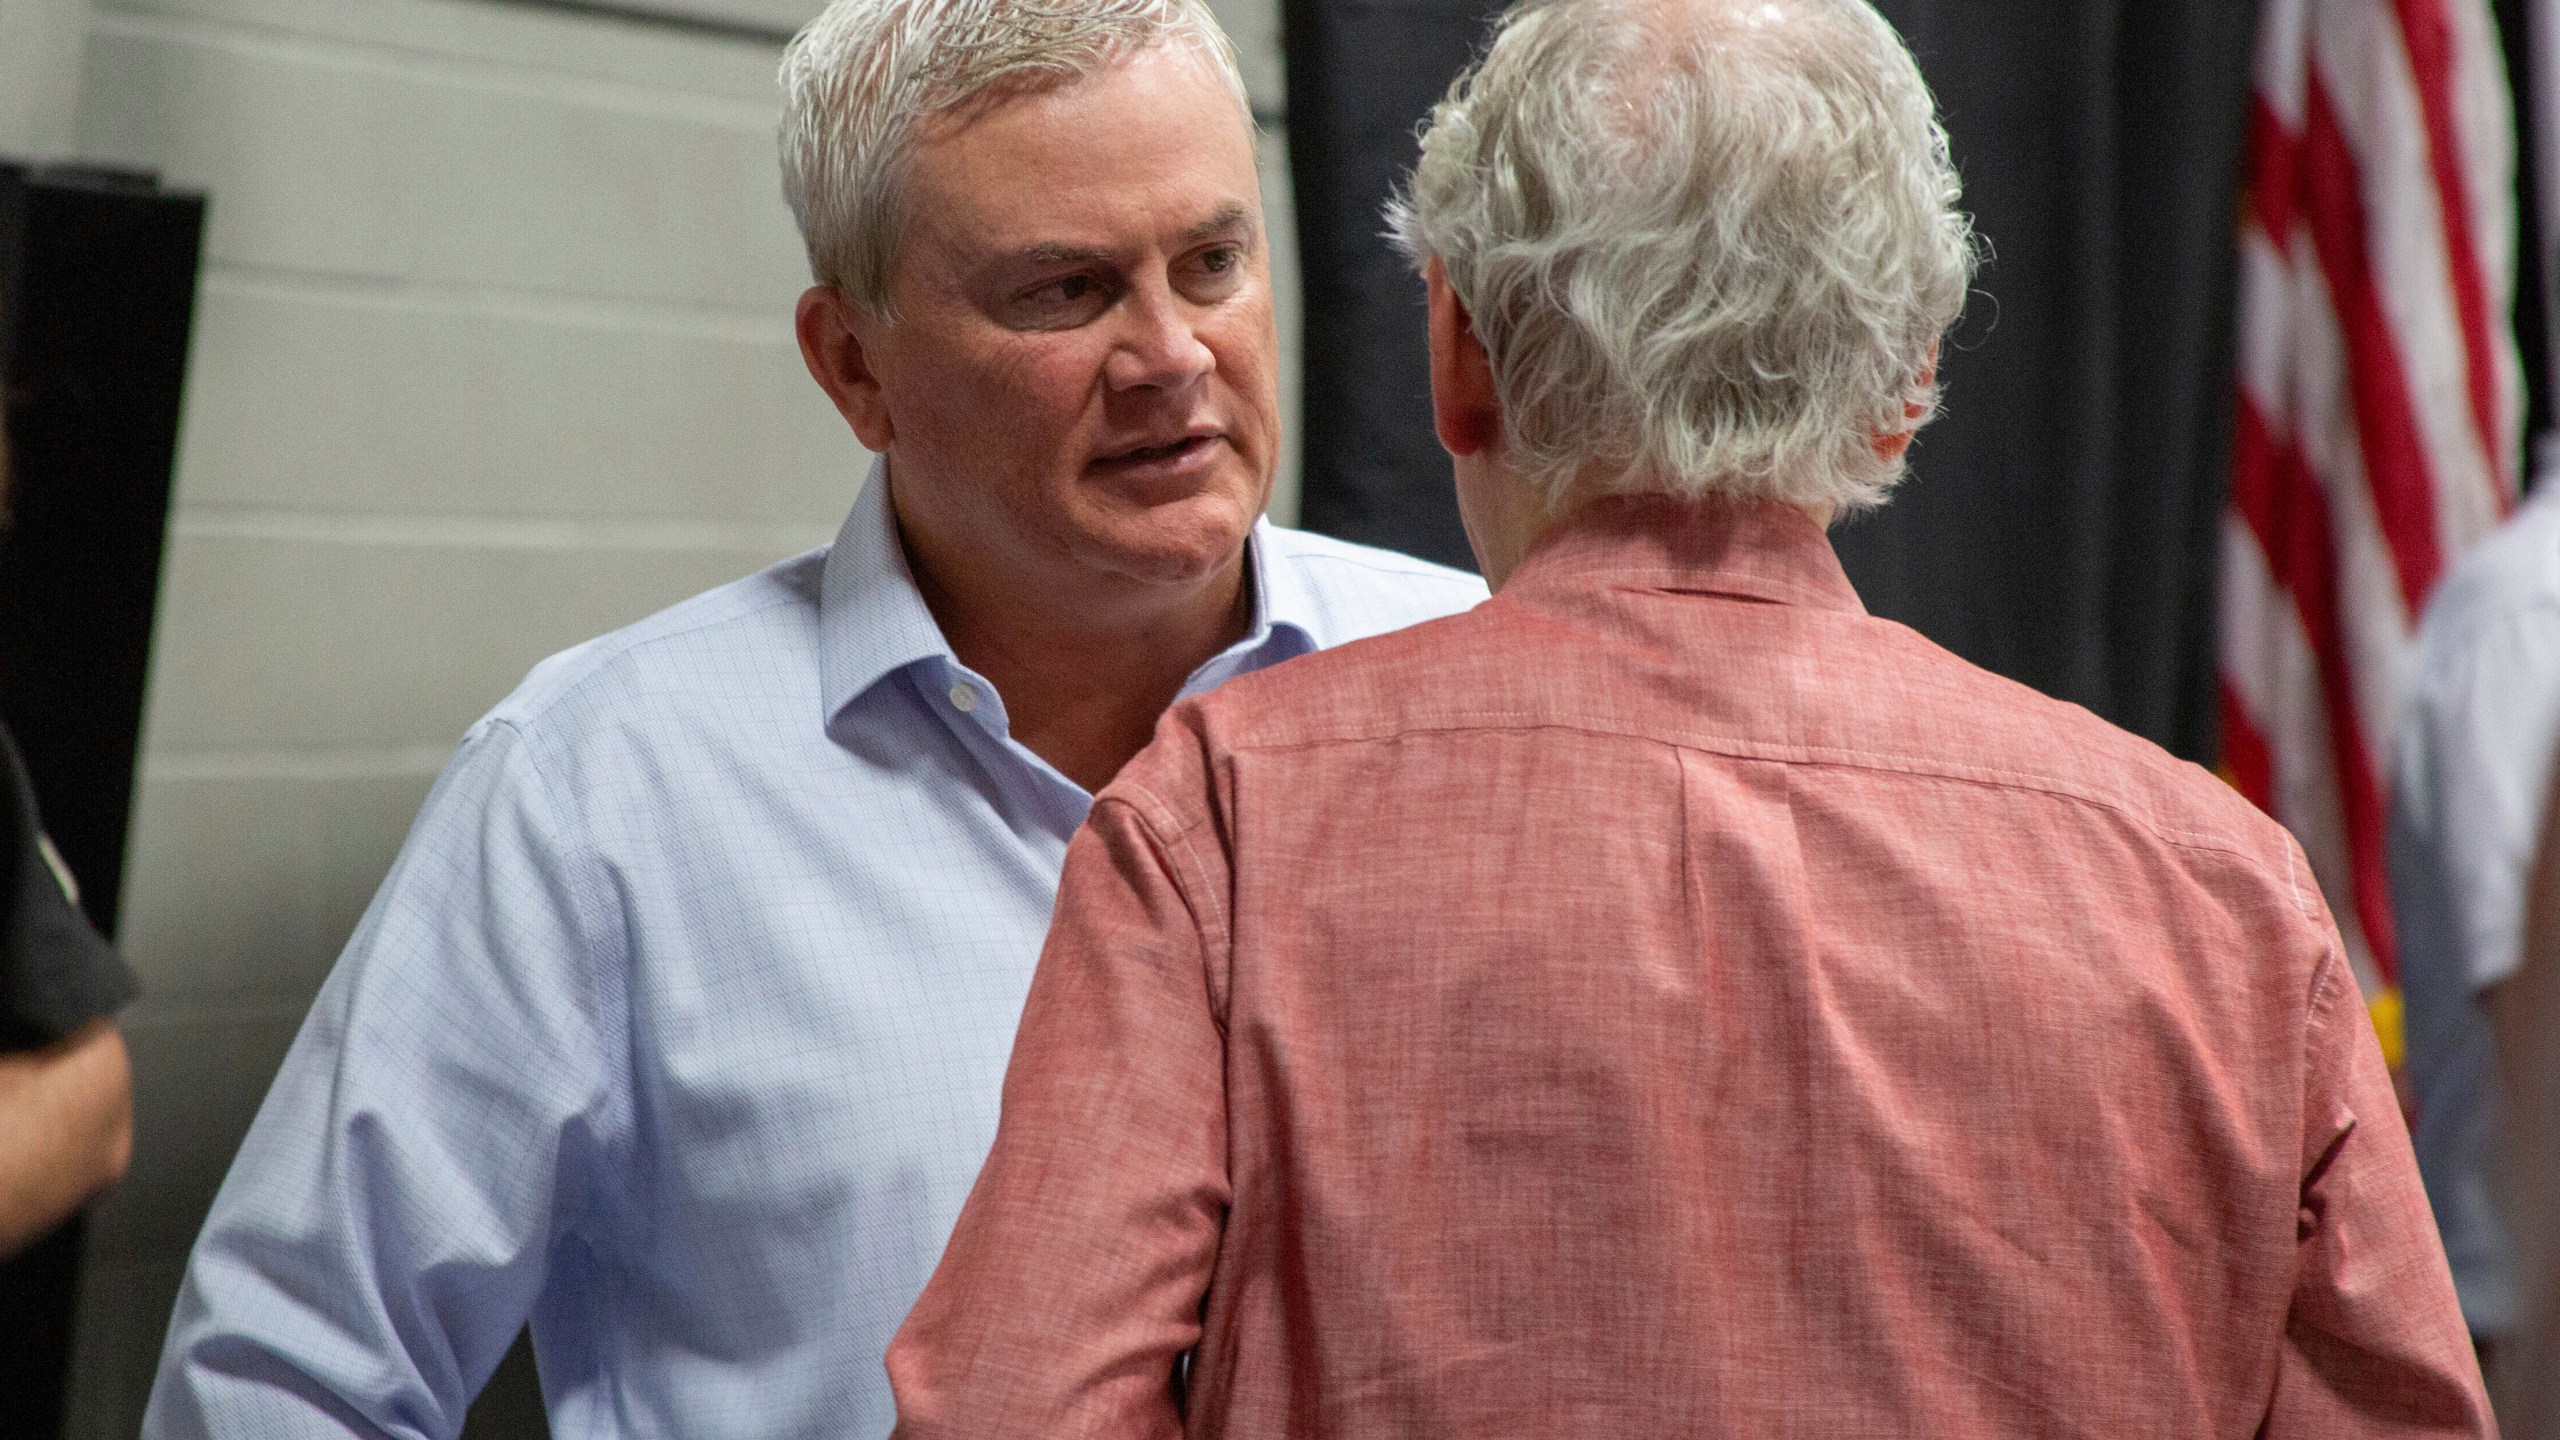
[1187, 542]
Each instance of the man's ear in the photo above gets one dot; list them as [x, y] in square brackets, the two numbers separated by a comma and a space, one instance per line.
[1465, 409]
[1891, 445]
[830, 329]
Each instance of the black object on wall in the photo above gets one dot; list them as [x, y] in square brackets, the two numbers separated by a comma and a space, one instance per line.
[2061, 518]
[97, 297]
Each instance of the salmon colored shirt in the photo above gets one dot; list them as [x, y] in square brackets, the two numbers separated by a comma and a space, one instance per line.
[1667, 1001]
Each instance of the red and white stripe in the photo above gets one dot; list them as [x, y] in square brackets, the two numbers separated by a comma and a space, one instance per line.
[2380, 405]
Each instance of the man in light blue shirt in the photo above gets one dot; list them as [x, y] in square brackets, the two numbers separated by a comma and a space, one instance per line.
[2473, 765]
[679, 1025]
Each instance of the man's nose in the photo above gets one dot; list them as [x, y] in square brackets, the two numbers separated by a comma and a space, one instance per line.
[1159, 347]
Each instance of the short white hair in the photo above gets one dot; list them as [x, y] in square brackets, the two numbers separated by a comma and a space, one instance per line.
[1708, 245]
[860, 79]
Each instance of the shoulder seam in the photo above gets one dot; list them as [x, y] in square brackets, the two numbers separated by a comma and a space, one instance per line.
[2478, 632]
[1747, 749]
[1190, 880]
[618, 644]
[2293, 881]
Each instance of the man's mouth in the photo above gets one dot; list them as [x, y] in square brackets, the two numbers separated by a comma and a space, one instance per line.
[1169, 450]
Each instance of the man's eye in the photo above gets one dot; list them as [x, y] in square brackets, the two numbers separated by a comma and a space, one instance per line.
[1064, 302]
[1213, 273]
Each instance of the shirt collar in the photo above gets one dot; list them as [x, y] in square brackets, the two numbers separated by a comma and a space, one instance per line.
[873, 622]
[1285, 614]
[1754, 549]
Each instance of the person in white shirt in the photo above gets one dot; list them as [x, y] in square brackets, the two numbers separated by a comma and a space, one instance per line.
[2473, 761]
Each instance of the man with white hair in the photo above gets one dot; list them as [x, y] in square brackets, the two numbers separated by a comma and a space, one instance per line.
[679, 1024]
[1667, 1001]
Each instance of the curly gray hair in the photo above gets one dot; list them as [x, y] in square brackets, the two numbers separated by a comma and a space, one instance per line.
[859, 79]
[1708, 245]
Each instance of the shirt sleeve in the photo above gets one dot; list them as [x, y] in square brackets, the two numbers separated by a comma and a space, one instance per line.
[386, 1226]
[2374, 1343]
[1075, 1278]
[56, 973]
[2483, 724]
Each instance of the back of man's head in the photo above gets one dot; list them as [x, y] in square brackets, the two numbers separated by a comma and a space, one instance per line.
[1709, 246]
[860, 79]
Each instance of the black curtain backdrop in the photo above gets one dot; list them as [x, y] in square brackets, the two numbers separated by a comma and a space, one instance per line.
[2533, 278]
[2059, 524]
[1362, 74]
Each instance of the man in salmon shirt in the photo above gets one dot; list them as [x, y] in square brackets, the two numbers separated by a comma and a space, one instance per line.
[1668, 1001]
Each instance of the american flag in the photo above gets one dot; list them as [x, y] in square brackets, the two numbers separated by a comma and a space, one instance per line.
[2379, 409]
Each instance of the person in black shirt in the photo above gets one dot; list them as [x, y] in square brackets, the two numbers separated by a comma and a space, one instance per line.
[66, 1091]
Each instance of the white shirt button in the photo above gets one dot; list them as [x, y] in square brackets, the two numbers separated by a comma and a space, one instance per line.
[964, 698]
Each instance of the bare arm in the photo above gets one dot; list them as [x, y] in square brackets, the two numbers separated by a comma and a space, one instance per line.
[66, 1129]
[2524, 1021]
[2520, 1010]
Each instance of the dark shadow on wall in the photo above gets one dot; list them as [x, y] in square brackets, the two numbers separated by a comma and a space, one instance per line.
[2060, 521]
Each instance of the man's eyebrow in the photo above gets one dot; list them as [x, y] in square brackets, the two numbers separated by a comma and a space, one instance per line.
[1228, 220]
[1053, 254]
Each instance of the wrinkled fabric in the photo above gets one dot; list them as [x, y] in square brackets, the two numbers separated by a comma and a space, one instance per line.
[1669, 1001]
[677, 1027]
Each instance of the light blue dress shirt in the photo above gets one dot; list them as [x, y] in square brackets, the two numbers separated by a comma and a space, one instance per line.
[678, 1026]
[2472, 767]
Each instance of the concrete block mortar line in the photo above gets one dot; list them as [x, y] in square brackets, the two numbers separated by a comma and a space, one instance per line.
[200, 1008]
[753, 109]
[41, 45]
[691, 319]
[352, 763]
[417, 530]
[682, 20]
[495, 30]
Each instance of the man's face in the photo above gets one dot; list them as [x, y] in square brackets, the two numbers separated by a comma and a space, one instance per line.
[1080, 381]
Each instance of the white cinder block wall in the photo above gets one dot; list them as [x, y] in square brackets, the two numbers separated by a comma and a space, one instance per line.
[492, 354]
